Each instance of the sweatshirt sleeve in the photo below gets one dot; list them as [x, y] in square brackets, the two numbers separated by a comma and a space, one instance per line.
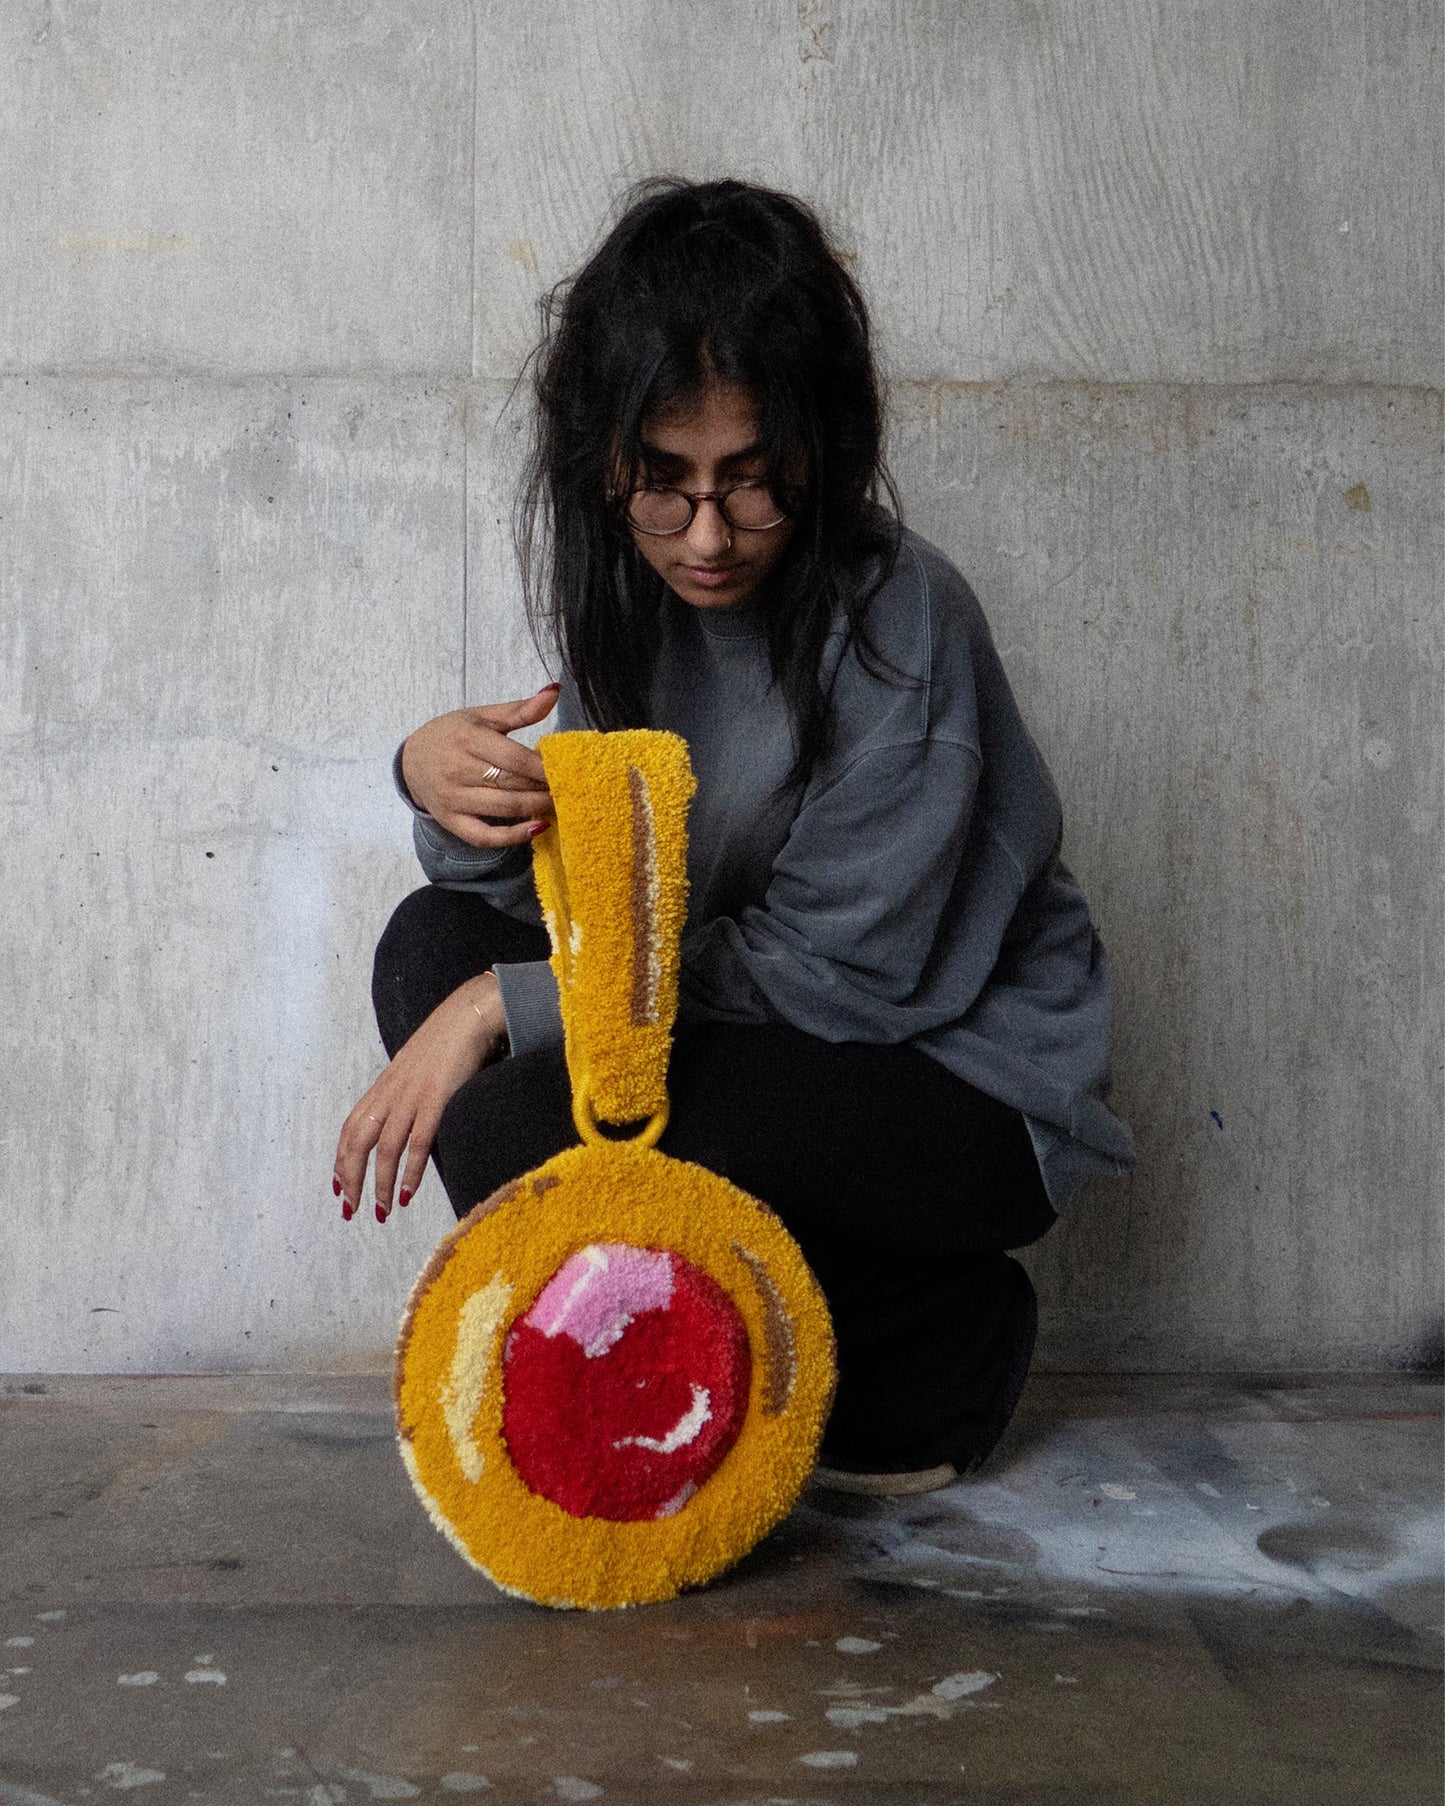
[841, 944]
[504, 877]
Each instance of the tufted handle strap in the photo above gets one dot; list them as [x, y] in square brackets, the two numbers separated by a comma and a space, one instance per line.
[612, 879]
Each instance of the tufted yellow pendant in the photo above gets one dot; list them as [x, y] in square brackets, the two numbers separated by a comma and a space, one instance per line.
[613, 1376]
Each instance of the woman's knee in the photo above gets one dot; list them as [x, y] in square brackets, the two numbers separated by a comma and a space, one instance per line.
[410, 923]
[401, 966]
[436, 940]
[1035, 1218]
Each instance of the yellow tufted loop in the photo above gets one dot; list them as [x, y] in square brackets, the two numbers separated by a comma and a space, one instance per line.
[612, 879]
[647, 1137]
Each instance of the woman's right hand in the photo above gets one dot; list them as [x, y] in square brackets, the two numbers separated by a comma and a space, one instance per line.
[401, 1112]
[445, 765]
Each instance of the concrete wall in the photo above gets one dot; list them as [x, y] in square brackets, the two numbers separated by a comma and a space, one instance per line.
[1159, 292]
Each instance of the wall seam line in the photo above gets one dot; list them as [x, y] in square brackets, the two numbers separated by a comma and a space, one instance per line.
[472, 272]
[466, 528]
[408, 378]
[471, 359]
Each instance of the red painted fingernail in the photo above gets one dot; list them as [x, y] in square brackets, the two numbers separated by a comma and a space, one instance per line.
[348, 1210]
[380, 1214]
[549, 687]
[335, 1186]
[405, 1198]
[536, 829]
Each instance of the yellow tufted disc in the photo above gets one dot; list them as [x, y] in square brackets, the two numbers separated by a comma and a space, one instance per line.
[450, 1381]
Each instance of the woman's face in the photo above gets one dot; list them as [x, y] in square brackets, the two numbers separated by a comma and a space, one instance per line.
[710, 443]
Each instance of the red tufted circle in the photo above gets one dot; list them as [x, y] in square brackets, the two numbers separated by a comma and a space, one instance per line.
[625, 1384]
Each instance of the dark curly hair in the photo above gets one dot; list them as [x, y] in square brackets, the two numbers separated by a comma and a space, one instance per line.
[699, 281]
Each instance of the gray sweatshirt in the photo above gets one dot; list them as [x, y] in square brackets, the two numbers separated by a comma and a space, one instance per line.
[914, 893]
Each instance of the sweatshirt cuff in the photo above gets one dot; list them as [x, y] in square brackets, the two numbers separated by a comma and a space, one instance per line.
[531, 1005]
[400, 782]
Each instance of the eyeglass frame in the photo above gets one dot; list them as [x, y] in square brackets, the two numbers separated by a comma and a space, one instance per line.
[718, 497]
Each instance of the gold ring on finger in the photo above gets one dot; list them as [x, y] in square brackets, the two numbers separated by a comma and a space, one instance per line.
[491, 774]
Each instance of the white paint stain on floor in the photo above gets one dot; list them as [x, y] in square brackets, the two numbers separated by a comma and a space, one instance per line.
[147, 1677]
[200, 1676]
[857, 1646]
[943, 1700]
[1045, 1523]
[848, 1718]
[380, 1787]
[959, 1686]
[573, 1787]
[12, 1795]
[125, 1775]
[830, 1759]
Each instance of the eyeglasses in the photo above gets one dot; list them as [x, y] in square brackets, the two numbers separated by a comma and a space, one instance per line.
[746, 507]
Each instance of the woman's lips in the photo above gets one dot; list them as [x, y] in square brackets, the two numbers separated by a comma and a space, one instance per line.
[707, 578]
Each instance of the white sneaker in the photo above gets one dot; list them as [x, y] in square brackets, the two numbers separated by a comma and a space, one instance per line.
[885, 1486]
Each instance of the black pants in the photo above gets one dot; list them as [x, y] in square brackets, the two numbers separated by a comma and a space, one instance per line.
[902, 1184]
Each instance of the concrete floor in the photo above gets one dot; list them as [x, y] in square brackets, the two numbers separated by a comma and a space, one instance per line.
[1160, 1589]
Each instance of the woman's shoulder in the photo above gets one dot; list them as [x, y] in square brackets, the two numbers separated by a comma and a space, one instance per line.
[925, 593]
[915, 674]
[924, 617]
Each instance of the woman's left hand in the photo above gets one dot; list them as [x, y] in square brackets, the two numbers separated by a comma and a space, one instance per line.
[402, 1110]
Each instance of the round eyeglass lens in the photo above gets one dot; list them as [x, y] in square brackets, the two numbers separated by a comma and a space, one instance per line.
[750, 507]
[659, 510]
[753, 506]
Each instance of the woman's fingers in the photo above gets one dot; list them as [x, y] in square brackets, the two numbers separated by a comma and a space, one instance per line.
[495, 762]
[491, 783]
[415, 1143]
[526, 711]
[359, 1135]
[390, 1146]
[423, 1133]
[490, 834]
[446, 760]
[389, 1134]
[514, 762]
[400, 1114]
[513, 804]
